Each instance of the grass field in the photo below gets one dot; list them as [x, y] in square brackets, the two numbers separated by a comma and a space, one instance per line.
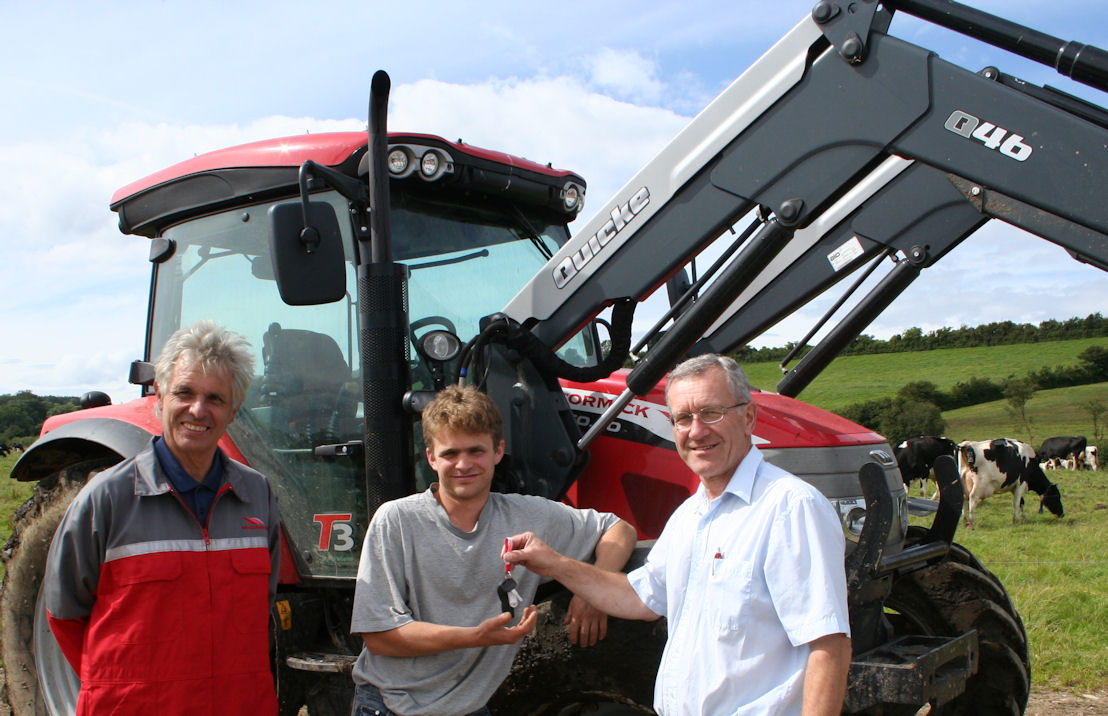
[1056, 572]
[12, 495]
[856, 379]
[1052, 412]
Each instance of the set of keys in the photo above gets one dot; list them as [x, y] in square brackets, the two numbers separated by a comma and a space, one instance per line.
[509, 597]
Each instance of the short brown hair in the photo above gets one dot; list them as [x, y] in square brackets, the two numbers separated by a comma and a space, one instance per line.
[462, 410]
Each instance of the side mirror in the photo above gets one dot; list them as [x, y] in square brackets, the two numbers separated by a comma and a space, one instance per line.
[142, 373]
[308, 262]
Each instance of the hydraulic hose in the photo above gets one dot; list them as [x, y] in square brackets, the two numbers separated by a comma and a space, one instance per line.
[544, 358]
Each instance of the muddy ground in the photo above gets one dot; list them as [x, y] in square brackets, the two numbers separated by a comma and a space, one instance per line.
[1063, 703]
[1047, 703]
[1041, 703]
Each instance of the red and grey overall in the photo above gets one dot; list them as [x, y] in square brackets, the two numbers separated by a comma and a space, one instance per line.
[156, 612]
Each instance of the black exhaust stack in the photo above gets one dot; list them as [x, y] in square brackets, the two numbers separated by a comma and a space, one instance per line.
[383, 310]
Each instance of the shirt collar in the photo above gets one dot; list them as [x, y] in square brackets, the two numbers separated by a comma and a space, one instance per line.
[741, 484]
[440, 509]
[179, 478]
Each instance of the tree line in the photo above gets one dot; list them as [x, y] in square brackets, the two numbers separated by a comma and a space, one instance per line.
[22, 414]
[1000, 333]
[917, 407]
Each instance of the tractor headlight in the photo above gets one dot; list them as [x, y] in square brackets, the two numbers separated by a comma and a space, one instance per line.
[852, 512]
[440, 346]
[573, 197]
[430, 164]
[404, 160]
[398, 161]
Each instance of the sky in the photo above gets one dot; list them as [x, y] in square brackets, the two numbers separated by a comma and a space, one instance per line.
[97, 95]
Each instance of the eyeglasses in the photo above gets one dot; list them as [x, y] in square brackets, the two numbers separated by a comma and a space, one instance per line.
[708, 415]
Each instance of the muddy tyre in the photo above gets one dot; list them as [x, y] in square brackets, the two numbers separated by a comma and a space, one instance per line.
[38, 680]
[950, 598]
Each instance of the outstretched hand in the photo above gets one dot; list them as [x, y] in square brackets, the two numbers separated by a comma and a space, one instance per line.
[497, 632]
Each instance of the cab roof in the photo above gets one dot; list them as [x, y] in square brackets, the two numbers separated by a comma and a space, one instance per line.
[262, 170]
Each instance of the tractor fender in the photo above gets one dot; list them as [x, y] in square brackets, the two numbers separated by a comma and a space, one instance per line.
[78, 441]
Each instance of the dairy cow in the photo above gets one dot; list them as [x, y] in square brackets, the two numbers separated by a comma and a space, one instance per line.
[1091, 461]
[1003, 465]
[916, 456]
[1063, 448]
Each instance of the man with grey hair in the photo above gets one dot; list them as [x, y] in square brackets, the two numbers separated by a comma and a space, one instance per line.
[160, 577]
[748, 571]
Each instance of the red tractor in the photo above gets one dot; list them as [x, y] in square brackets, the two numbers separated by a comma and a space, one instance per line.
[371, 270]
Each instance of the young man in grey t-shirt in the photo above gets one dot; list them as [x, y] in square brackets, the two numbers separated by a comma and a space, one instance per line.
[426, 603]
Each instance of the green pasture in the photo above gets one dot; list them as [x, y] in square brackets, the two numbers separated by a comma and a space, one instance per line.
[1052, 412]
[1056, 572]
[856, 379]
[12, 495]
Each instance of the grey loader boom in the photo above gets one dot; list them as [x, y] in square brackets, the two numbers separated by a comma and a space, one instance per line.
[852, 146]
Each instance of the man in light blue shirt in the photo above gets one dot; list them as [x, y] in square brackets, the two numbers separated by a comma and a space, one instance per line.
[748, 571]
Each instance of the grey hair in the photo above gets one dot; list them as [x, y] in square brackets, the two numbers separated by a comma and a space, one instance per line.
[701, 364]
[208, 346]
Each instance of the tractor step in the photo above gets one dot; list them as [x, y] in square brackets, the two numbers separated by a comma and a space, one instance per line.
[320, 662]
[912, 670]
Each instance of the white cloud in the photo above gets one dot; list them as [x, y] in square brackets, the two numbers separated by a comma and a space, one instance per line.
[73, 287]
[625, 75]
[551, 120]
[997, 274]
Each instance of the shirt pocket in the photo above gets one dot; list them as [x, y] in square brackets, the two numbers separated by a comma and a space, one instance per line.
[161, 567]
[250, 590]
[729, 590]
[131, 605]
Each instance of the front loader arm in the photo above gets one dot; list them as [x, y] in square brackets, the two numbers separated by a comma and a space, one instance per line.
[885, 143]
[666, 214]
[915, 213]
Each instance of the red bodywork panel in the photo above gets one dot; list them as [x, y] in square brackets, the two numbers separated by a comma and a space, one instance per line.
[330, 149]
[634, 469]
[139, 413]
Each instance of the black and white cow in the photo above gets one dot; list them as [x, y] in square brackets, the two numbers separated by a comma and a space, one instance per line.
[1003, 465]
[1063, 448]
[916, 456]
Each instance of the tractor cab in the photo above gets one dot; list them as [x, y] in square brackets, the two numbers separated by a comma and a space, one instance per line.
[464, 255]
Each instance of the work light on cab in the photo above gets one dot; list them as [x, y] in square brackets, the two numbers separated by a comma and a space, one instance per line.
[431, 164]
[440, 345]
[573, 197]
[398, 161]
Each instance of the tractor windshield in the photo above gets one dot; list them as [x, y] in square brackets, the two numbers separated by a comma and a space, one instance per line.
[464, 263]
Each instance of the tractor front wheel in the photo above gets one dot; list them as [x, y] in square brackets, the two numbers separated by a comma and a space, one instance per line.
[38, 680]
[950, 598]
